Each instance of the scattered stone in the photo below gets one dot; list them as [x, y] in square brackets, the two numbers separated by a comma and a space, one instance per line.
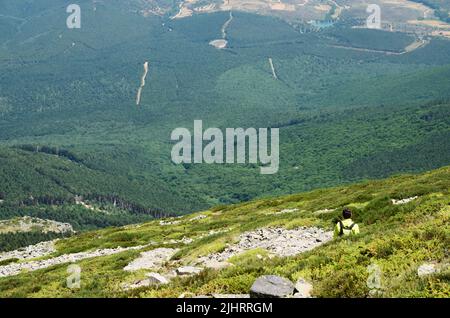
[153, 279]
[32, 251]
[175, 221]
[157, 279]
[214, 264]
[286, 211]
[324, 211]
[164, 223]
[28, 224]
[153, 259]
[188, 270]
[225, 296]
[137, 284]
[171, 274]
[404, 201]
[303, 289]
[17, 268]
[278, 241]
[427, 269]
[198, 217]
[184, 240]
[214, 232]
[271, 286]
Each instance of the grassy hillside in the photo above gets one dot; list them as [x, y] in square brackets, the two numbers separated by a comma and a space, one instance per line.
[397, 238]
[46, 185]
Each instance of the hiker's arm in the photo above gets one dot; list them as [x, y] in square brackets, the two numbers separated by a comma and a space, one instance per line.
[336, 230]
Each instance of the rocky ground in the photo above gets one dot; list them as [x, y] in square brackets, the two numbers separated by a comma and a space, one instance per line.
[29, 252]
[278, 241]
[153, 259]
[403, 201]
[160, 269]
[16, 268]
[28, 224]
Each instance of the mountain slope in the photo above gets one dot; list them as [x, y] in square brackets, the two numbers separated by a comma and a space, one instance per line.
[53, 183]
[398, 237]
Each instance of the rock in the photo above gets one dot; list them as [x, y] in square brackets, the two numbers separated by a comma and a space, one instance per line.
[286, 211]
[17, 268]
[153, 259]
[198, 217]
[186, 240]
[214, 264]
[271, 286]
[137, 284]
[32, 251]
[157, 279]
[164, 223]
[303, 289]
[426, 269]
[32, 224]
[188, 270]
[278, 241]
[171, 274]
[153, 279]
[225, 296]
[404, 201]
[324, 211]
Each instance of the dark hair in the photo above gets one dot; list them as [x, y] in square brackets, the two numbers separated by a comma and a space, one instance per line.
[347, 214]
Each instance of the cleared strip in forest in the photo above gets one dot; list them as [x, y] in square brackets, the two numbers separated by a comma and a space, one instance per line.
[144, 76]
[274, 73]
[225, 26]
[410, 48]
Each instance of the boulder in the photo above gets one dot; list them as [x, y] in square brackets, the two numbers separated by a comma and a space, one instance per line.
[152, 259]
[156, 279]
[426, 269]
[188, 270]
[136, 284]
[303, 289]
[272, 286]
[226, 296]
[214, 264]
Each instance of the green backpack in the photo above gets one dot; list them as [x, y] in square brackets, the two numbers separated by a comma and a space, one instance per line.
[343, 227]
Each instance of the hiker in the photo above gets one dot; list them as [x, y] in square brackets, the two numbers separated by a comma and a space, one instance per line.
[347, 226]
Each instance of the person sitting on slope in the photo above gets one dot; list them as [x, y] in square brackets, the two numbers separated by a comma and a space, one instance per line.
[347, 226]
